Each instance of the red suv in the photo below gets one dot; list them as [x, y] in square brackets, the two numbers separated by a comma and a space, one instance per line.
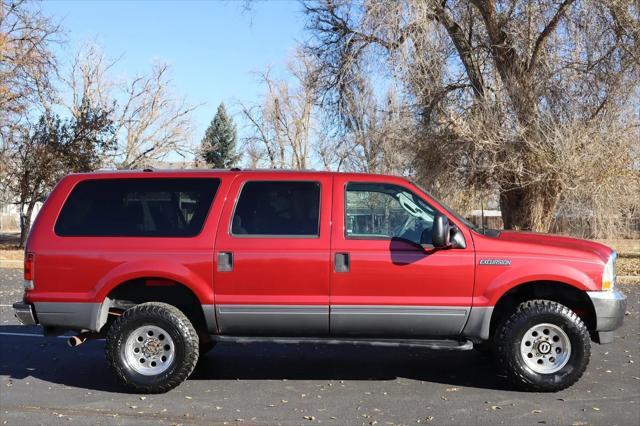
[164, 264]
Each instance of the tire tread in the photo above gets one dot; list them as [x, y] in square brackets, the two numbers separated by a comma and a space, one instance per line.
[523, 312]
[166, 312]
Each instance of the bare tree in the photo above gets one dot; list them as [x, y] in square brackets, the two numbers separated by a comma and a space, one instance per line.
[27, 67]
[150, 121]
[498, 88]
[153, 121]
[88, 80]
[282, 126]
[372, 134]
[27, 63]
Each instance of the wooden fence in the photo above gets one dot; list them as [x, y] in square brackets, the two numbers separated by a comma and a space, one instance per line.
[589, 227]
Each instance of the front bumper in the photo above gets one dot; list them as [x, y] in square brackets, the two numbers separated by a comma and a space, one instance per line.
[609, 308]
[25, 313]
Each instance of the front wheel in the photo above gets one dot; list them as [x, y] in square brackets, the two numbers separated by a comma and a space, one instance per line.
[152, 347]
[543, 345]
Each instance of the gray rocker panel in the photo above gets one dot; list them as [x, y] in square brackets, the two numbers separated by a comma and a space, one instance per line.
[347, 320]
[382, 320]
[273, 320]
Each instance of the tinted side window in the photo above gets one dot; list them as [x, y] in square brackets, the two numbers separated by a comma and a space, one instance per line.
[278, 208]
[375, 210]
[137, 208]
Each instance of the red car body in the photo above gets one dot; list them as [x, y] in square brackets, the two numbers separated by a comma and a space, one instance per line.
[281, 286]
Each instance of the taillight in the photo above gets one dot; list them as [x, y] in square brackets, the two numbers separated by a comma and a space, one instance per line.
[28, 267]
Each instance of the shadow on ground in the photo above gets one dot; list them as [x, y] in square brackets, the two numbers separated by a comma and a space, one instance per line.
[51, 360]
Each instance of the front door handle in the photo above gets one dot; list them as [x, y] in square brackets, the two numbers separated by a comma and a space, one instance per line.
[341, 262]
[225, 261]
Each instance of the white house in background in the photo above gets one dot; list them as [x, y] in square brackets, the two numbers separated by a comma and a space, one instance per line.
[10, 216]
[487, 213]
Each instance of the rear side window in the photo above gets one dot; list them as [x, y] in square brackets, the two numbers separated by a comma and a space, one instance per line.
[278, 208]
[137, 208]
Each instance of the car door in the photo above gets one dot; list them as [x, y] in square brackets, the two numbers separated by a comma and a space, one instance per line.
[272, 257]
[383, 283]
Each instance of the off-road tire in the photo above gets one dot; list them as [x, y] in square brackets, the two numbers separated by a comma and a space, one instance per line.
[181, 331]
[509, 334]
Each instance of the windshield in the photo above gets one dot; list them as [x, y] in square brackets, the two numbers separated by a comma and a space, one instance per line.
[467, 222]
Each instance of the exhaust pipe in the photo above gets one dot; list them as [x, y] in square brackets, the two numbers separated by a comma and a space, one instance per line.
[76, 340]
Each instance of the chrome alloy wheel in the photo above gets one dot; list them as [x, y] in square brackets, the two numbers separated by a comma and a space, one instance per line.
[149, 350]
[545, 348]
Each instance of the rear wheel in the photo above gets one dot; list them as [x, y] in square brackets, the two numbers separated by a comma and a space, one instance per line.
[543, 345]
[152, 347]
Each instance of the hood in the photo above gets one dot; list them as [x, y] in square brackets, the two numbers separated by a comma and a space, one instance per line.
[557, 244]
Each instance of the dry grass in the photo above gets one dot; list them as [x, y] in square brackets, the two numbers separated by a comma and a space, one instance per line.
[12, 255]
[629, 267]
[628, 261]
[624, 247]
[11, 258]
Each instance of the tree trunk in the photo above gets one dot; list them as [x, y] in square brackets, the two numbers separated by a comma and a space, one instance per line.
[529, 208]
[25, 223]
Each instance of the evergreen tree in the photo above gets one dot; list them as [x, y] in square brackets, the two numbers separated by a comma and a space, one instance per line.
[219, 142]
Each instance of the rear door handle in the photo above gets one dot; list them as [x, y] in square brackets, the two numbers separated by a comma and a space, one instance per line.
[341, 262]
[225, 261]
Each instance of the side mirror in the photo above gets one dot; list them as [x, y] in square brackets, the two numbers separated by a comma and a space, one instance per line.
[441, 231]
[425, 237]
[457, 238]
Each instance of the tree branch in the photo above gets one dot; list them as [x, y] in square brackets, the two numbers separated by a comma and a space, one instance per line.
[464, 48]
[553, 23]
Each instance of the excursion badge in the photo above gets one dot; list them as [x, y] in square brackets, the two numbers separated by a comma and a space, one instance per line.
[495, 262]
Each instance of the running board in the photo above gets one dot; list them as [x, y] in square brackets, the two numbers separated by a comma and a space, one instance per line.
[456, 345]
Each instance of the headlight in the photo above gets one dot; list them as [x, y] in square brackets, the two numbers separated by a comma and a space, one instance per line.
[609, 273]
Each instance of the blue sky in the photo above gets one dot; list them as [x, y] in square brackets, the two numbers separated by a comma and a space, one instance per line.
[213, 47]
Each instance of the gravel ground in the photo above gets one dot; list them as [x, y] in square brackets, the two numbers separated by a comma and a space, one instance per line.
[42, 381]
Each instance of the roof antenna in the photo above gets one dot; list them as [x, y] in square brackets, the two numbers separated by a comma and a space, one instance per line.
[482, 211]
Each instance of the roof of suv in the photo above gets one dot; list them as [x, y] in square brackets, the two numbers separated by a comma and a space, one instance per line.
[234, 171]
